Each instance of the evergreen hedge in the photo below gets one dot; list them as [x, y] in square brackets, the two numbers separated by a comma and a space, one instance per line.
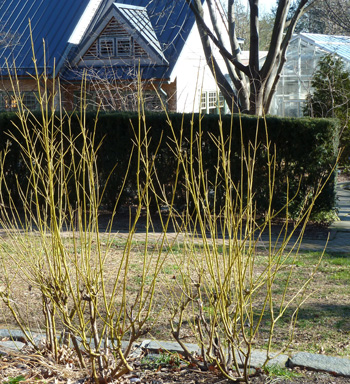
[306, 150]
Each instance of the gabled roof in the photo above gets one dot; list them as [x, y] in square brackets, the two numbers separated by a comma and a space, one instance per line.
[51, 20]
[165, 24]
[85, 20]
[339, 45]
[135, 22]
[137, 17]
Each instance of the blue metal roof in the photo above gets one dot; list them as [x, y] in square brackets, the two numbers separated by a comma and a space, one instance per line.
[137, 17]
[55, 20]
[171, 23]
[51, 20]
[339, 45]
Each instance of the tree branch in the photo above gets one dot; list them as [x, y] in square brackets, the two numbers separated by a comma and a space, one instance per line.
[237, 78]
[305, 9]
[254, 37]
[219, 77]
[276, 38]
[224, 52]
[274, 77]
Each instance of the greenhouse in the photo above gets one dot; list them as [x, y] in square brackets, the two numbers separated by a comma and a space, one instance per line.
[303, 55]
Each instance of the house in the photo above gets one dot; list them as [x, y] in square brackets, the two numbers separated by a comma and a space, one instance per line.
[118, 46]
[115, 45]
[303, 54]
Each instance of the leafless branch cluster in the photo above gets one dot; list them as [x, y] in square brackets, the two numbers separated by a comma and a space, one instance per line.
[337, 13]
[117, 88]
[251, 85]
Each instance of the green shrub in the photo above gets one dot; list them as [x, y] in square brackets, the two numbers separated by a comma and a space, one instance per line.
[329, 97]
[306, 150]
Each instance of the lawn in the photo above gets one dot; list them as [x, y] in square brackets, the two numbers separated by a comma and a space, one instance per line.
[323, 323]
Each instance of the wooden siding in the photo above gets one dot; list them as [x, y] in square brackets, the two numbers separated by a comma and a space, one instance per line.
[114, 29]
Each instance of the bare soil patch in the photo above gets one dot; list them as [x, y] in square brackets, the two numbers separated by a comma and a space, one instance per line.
[323, 323]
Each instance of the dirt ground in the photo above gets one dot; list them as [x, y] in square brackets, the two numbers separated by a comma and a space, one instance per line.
[306, 377]
[32, 368]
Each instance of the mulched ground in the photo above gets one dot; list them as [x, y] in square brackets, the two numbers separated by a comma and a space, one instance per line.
[209, 378]
[35, 368]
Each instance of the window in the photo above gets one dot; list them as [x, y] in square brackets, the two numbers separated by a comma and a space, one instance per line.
[115, 47]
[294, 108]
[203, 100]
[123, 47]
[211, 102]
[152, 102]
[291, 87]
[8, 101]
[30, 101]
[107, 47]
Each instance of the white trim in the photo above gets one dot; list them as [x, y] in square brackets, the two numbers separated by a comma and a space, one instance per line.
[83, 23]
[115, 61]
[129, 6]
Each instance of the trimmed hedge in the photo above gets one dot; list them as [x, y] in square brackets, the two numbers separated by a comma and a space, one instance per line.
[306, 150]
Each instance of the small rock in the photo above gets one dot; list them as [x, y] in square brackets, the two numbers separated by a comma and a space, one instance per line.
[169, 346]
[10, 346]
[334, 365]
[258, 358]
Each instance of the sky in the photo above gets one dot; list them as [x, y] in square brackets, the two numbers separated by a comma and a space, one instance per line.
[265, 4]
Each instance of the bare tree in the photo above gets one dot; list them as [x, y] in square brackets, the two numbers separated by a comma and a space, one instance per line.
[242, 25]
[250, 86]
[337, 13]
[328, 17]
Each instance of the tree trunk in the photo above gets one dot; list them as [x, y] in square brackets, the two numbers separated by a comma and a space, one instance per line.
[254, 86]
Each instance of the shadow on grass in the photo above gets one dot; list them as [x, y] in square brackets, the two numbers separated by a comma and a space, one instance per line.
[323, 314]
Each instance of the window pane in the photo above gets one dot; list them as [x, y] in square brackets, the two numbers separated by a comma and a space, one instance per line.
[89, 101]
[123, 47]
[212, 100]
[203, 100]
[7, 101]
[293, 109]
[2, 101]
[106, 47]
[152, 102]
[221, 100]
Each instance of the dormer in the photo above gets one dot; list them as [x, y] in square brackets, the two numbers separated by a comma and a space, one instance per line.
[124, 34]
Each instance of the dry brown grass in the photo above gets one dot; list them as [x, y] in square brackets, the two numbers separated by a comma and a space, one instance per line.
[323, 324]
